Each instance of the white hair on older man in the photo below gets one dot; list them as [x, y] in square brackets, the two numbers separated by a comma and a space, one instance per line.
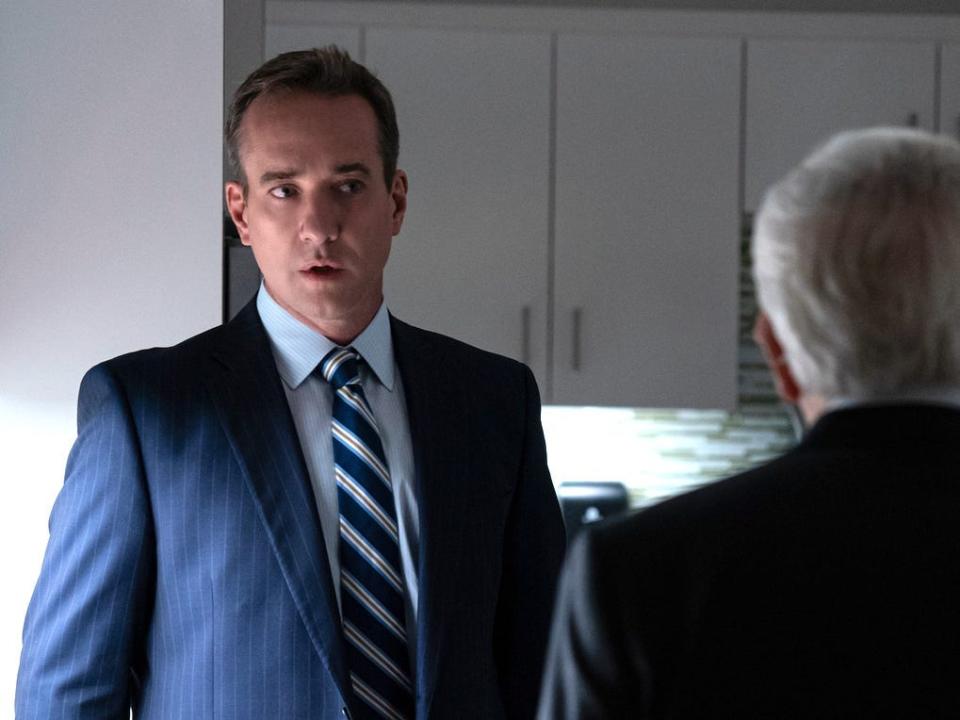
[856, 258]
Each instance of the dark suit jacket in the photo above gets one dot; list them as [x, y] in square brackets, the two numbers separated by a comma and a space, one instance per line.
[186, 572]
[823, 585]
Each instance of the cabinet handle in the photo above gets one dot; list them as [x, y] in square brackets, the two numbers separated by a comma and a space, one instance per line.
[525, 340]
[913, 120]
[958, 127]
[577, 321]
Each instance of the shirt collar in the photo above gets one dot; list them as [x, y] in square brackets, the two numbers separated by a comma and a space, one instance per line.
[298, 348]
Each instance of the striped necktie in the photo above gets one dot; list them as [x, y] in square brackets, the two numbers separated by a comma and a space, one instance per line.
[371, 579]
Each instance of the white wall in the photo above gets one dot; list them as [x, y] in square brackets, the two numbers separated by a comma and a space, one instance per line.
[110, 115]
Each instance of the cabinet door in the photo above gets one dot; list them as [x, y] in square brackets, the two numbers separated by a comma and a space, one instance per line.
[647, 226]
[474, 113]
[799, 92]
[950, 91]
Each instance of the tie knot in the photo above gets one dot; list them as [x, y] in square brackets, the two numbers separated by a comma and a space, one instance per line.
[341, 367]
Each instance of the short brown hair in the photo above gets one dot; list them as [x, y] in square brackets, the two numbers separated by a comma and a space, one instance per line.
[327, 71]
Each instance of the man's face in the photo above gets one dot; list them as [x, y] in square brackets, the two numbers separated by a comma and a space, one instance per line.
[317, 213]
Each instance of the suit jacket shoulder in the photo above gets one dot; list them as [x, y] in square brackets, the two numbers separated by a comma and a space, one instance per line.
[457, 359]
[243, 334]
[773, 593]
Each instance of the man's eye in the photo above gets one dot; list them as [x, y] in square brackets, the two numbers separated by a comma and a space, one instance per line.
[351, 187]
[282, 191]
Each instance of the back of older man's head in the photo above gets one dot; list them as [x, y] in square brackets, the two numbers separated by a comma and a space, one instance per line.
[857, 264]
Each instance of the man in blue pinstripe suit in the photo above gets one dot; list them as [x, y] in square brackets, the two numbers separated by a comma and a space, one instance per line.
[195, 567]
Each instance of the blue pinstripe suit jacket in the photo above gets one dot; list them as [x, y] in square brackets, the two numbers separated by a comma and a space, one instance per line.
[186, 574]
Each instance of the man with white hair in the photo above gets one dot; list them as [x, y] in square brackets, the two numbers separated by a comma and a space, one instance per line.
[827, 582]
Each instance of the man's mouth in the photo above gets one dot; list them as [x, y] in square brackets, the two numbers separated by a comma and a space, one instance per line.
[322, 270]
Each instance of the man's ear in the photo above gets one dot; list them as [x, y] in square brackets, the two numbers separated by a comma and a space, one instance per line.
[765, 336]
[398, 194]
[237, 207]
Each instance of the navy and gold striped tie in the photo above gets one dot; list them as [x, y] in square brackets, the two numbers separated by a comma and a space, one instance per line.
[371, 579]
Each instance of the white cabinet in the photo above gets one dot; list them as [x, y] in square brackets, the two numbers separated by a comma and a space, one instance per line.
[474, 116]
[279, 38]
[575, 197]
[647, 226]
[799, 92]
[640, 137]
[950, 90]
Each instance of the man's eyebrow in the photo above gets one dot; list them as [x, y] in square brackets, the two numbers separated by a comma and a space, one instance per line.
[357, 167]
[281, 174]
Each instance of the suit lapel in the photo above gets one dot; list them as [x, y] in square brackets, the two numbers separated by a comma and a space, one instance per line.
[253, 410]
[429, 406]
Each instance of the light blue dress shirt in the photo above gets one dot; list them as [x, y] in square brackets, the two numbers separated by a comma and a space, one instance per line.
[297, 350]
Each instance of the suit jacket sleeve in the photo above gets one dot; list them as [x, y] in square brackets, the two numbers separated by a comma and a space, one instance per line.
[595, 665]
[90, 606]
[533, 551]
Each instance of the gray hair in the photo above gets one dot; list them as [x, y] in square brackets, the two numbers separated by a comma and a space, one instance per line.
[856, 257]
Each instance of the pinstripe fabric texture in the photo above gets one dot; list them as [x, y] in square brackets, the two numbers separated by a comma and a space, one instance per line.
[161, 587]
[186, 575]
[371, 576]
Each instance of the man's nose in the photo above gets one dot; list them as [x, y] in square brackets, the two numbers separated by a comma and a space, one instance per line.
[322, 218]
